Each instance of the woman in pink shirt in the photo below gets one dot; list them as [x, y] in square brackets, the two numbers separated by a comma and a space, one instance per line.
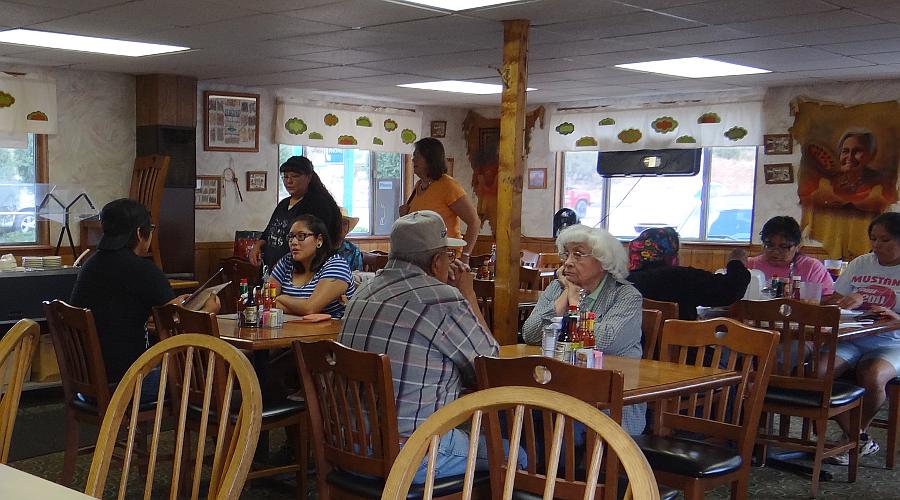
[781, 255]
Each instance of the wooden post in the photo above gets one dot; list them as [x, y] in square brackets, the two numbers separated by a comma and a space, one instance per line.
[509, 193]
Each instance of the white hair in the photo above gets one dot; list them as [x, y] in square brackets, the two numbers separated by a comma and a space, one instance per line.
[604, 247]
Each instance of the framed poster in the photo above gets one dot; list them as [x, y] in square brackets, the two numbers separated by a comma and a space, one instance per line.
[256, 180]
[537, 178]
[779, 173]
[208, 193]
[230, 121]
[778, 144]
[439, 129]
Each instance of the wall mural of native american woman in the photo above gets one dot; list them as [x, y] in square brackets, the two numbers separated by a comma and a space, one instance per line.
[848, 170]
[482, 148]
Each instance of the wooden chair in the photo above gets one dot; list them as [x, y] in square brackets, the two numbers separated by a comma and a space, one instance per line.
[373, 261]
[529, 258]
[802, 383]
[529, 279]
[600, 388]
[476, 261]
[891, 423]
[148, 180]
[604, 435]
[225, 378]
[722, 422]
[234, 269]
[669, 310]
[171, 320]
[353, 418]
[16, 350]
[547, 262]
[651, 326]
[86, 390]
[484, 292]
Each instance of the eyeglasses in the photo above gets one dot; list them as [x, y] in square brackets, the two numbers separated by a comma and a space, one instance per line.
[451, 253]
[577, 255]
[768, 245]
[299, 236]
[291, 176]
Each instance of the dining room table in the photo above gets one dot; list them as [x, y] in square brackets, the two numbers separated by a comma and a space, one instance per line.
[15, 483]
[646, 379]
[267, 338]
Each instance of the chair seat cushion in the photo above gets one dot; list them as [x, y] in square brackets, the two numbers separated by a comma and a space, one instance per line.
[372, 487]
[841, 393]
[665, 493]
[271, 409]
[687, 457]
[89, 405]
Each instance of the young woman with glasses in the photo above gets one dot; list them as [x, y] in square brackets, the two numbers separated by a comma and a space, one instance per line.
[781, 255]
[312, 277]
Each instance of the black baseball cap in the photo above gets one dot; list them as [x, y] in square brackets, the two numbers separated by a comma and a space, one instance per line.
[119, 219]
[298, 164]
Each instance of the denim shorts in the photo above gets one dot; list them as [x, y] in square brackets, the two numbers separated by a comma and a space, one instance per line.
[886, 347]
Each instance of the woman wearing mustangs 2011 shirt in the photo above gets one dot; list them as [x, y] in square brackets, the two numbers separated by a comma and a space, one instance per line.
[872, 282]
[313, 277]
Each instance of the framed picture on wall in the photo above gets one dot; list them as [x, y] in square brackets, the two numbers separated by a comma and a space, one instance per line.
[537, 178]
[779, 173]
[208, 193]
[439, 129]
[256, 180]
[778, 144]
[230, 121]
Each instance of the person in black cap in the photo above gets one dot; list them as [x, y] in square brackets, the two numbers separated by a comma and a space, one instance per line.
[121, 288]
[307, 196]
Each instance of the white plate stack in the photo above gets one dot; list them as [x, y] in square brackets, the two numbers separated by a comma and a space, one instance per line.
[33, 262]
[51, 262]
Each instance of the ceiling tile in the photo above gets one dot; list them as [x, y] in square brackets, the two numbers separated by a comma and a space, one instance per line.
[22, 16]
[817, 21]
[360, 13]
[840, 35]
[253, 28]
[342, 56]
[884, 58]
[736, 11]
[863, 47]
[628, 24]
[352, 39]
[555, 11]
[728, 47]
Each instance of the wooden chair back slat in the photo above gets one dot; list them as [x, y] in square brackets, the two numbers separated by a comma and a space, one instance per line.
[728, 413]
[231, 457]
[651, 326]
[600, 388]
[78, 352]
[484, 293]
[148, 181]
[668, 310]
[606, 438]
[809, 335]
[350, 400]
[16, 351]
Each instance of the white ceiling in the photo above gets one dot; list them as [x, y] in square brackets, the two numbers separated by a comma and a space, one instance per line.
[364, 48]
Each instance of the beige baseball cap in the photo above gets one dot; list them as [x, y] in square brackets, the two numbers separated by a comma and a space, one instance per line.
[421, 231]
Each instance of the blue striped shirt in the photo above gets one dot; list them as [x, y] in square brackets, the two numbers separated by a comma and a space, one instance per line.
[335, 267]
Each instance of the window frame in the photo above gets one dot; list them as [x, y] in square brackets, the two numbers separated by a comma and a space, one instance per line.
[41, 176]
[606, 183]
[404, 157]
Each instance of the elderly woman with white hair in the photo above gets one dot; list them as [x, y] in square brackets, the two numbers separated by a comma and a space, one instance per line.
[594, 261]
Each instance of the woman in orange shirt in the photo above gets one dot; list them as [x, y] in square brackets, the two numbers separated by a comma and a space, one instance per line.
[437, 191]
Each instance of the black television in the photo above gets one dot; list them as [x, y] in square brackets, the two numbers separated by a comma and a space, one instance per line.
[650, 162]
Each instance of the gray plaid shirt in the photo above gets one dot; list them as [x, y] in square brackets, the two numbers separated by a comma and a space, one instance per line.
[427, 329]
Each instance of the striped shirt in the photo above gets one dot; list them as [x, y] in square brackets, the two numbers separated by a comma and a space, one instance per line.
[427, 329]
[335, 268]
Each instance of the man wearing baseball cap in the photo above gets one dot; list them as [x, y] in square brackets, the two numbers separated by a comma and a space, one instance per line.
[120, 287]
[421, 311]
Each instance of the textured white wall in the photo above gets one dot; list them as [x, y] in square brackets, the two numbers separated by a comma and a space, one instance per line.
[95, 146]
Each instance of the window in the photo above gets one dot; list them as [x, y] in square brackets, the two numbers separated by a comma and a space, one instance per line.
[20, 171]
[366, 183]
[714, 205]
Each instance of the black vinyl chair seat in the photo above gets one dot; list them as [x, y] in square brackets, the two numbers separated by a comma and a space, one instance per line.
[665, 493]
[87, 404]
[271, 410]
[369, 487]
[842, 393]
[687, 457]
